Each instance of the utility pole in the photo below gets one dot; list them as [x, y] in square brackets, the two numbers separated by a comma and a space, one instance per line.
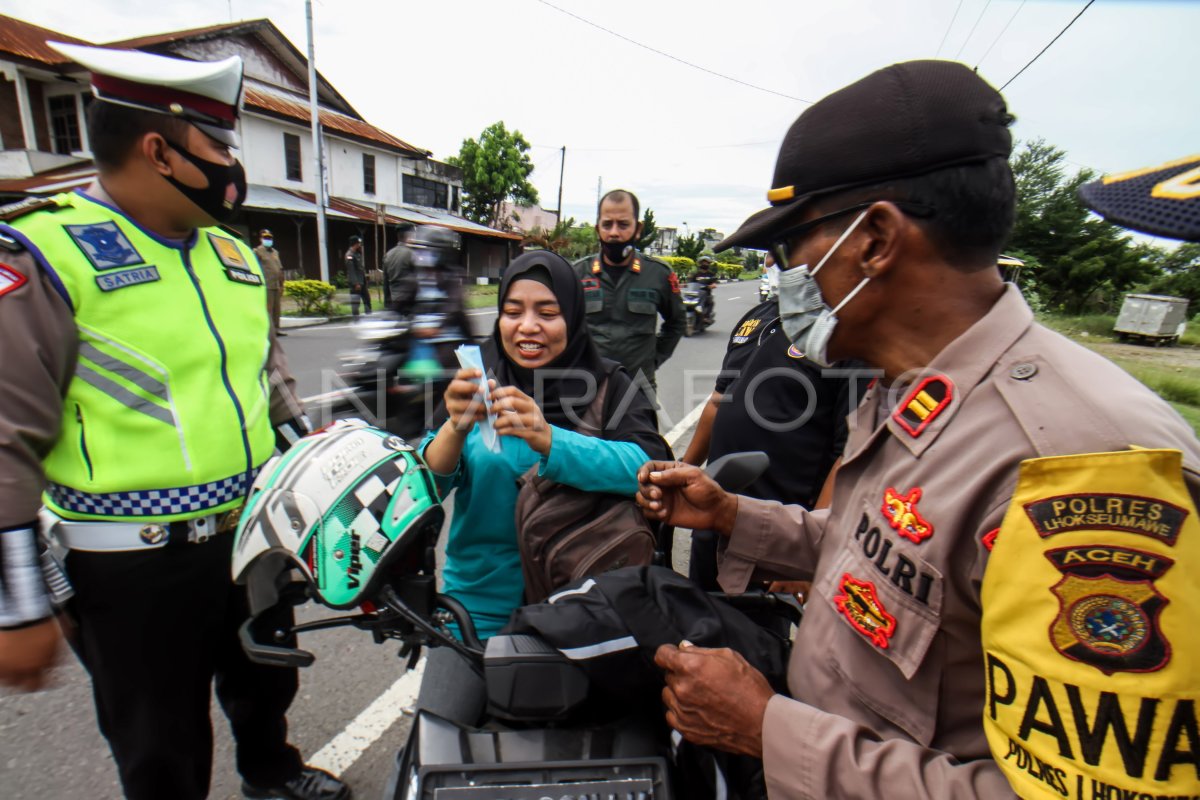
[561, 169]
[599, 183]
[318, 160]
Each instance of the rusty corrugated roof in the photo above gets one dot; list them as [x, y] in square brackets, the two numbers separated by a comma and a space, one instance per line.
[28, 42]
[177, 36]
[278, 103]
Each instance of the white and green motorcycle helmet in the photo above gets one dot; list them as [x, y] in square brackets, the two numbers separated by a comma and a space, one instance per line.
[349, 506]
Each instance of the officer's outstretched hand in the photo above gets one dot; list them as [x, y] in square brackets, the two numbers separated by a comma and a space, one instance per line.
[26, 655]
[714, 698]
[683, 495]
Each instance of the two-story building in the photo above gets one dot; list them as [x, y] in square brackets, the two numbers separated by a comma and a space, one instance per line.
[373, 179]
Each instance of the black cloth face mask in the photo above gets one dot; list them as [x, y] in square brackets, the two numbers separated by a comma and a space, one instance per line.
[226, 190]
[616, 252]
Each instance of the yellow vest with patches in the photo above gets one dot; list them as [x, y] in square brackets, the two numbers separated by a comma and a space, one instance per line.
[1091, 644]
[167, 415]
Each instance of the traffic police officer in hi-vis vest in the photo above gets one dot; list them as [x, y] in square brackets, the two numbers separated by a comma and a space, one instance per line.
[1004, 597]
[142, 390]
[627, 291]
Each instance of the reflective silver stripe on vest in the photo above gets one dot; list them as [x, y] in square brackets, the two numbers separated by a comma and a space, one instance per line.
[122, 395]
[127, 371]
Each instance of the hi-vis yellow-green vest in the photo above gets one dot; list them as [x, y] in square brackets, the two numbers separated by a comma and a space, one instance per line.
[167, 415]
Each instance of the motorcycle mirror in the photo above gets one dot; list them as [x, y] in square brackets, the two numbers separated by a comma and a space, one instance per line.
[736, 471]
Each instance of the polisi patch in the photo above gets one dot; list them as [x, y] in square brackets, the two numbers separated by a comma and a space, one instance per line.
[1109, 608]
[105, 246]
[860, 605]
[10, 279]
[1148, 516]
[243, 276]
[901, 512]
[110, 281]
[923, 404]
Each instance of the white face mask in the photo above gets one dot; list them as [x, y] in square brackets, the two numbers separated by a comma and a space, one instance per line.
[268, 242]
[807, 319]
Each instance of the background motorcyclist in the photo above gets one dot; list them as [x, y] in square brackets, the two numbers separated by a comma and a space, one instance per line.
[706, 276]
[434, 284]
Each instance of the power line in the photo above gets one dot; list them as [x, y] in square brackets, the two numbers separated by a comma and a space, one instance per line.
[999, 35]
[1047, 47]
[948, 27]
[978, 20]
[674, 58]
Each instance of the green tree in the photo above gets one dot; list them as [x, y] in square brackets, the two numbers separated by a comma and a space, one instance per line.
[569, 239]
[496, 167]
[690, 246]
[1082, 261]
[752, 262]
[583, 242]
[1180, 276]
[649, 231]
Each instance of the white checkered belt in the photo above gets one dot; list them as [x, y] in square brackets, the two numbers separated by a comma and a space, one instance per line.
[100, 536]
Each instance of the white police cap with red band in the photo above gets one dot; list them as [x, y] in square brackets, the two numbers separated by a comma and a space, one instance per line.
[207, 94]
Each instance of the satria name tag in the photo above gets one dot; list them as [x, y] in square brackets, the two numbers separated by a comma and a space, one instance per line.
[128, 277]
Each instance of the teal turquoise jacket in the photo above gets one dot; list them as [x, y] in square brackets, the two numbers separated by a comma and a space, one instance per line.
[483, 563]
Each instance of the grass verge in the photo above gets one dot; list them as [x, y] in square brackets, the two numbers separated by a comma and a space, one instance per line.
[482, 296]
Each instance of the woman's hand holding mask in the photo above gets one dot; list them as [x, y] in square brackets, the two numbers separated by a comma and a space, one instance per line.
[464, 400]
[518, 415]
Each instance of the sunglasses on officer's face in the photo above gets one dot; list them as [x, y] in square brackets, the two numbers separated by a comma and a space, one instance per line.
[786, 242]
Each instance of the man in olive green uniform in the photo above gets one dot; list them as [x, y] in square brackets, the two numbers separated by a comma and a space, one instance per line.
[134, 411]
[626, 291]
[272, 268]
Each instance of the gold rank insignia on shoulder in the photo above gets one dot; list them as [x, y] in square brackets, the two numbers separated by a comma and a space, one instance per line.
[637, 265]
[924, 403]
[596, 270]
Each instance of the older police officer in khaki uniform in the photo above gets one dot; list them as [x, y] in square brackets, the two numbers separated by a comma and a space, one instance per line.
[1003, 588]
[134, 406]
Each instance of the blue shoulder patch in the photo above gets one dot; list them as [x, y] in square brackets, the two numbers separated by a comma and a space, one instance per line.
[105, 245]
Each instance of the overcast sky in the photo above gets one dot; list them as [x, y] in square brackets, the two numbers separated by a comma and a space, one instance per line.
[1117, 91]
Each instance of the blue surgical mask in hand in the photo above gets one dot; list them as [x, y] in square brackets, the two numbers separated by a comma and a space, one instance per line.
[471, 357]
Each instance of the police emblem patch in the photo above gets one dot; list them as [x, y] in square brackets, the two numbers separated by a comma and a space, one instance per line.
[1109, 608]
[227, 251]
[10, 279]
[901, 512]
[105, 245]
[860, 605]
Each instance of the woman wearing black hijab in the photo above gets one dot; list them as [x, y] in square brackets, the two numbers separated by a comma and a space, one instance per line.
[545, 372]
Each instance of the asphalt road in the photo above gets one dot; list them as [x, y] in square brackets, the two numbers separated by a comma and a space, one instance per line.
[346, 713]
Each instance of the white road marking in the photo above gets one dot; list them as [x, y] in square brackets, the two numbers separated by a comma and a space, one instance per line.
[366, 729]
[739, 297]
[373, 722]
[685, 424]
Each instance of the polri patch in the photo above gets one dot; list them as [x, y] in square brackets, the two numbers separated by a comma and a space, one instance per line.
[110, 281]
[859, 603]
[924, 403]
[1109, 608]
[10, 279]
[901, 512]
[105, 245]
[1148, 516]
[227, 250]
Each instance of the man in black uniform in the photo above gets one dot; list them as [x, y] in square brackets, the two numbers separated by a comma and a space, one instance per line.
[397, 265]
[706, 277]
[769, 397]
[626, 290]
[356, 276]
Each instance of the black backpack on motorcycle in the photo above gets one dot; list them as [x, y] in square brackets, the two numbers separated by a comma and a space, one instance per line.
[610, 625]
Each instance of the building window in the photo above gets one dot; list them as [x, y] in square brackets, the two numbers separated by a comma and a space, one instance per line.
[291, 157]
[64, 123]
[456, 200]
[368, 173]
[422, 192]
